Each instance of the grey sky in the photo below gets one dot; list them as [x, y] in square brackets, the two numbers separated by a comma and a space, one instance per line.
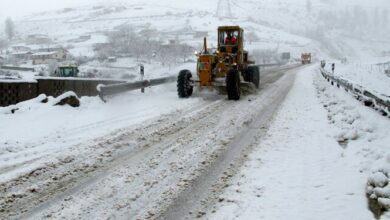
[17, 8]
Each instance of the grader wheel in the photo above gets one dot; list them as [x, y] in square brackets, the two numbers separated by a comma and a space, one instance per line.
[233, 84]
[184, 84]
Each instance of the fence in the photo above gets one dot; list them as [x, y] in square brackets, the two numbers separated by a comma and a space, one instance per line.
[12, 92]
[17, 68]
[376, 101]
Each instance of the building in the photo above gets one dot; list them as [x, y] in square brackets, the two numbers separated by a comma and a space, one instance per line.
[24, 55]
[2, 60]
[80, 39]
[61, 53]
[38, 39]
[47, 55]
[20, 48]
[85, 37]
[112, 59]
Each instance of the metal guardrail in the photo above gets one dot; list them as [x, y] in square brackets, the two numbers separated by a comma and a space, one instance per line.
[369, 98]
[109, 90]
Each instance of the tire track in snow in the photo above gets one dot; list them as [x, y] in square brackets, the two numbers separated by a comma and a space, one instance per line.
[53, 139]
[203, 192]
[79, 180]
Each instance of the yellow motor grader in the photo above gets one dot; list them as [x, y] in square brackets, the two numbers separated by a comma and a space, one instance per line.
[228, 66]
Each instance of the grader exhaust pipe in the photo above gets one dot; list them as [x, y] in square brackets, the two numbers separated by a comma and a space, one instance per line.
[205, 45]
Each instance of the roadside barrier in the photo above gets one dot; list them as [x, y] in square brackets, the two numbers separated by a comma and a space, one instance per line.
[15, 91]
[371, 99]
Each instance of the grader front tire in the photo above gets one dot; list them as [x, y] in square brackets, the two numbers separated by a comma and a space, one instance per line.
[184, 84]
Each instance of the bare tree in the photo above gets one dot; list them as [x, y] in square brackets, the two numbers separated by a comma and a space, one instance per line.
[9, 28]
[3, 44]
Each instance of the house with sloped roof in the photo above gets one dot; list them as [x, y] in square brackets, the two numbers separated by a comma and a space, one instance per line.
[47, 55]
[20, 48]
[38, 39]
[24, 55]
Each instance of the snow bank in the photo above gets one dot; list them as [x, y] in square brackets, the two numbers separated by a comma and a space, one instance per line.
[314, 160]
[69, 98]
[378, 187]
[356, 124]
[369, 75]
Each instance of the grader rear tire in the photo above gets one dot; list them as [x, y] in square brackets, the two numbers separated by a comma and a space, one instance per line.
[184, 84]
[233, 84]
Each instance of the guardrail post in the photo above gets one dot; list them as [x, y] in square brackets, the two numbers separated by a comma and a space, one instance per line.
[142, 73]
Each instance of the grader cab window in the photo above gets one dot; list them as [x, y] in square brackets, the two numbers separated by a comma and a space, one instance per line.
[68, 71]
[228, 37]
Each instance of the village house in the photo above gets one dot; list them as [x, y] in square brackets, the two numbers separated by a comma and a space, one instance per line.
[46, 55]
[85, 37]
[38, 39]
[20, 48]
[80, 39]
[24, 55]
[61, 52]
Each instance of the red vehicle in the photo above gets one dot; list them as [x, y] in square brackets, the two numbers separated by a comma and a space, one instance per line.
[306, 58]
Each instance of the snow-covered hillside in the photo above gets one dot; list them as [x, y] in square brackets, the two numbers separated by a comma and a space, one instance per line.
[295, 26]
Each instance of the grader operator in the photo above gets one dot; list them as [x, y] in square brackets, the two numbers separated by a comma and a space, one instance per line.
[228, 66]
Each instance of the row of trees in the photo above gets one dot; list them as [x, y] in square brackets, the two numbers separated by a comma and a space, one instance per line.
[9, 29]
[9, 32]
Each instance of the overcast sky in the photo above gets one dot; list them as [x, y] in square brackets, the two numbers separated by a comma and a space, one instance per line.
[17, 8]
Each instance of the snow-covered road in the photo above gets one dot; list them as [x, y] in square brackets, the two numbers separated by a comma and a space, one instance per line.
[140, 171]
[307, 157]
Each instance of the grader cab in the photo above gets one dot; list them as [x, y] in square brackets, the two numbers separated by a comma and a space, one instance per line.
[67, 71]
[228, 66]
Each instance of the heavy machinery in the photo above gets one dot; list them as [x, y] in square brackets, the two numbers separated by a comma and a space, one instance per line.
[67, 71]
[306, 58]
[228, 66]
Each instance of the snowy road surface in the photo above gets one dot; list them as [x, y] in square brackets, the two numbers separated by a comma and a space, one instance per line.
[144, 170]
[298, 148]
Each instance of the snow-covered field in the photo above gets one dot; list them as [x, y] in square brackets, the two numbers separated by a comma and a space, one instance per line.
[369, 75]
[315, 157]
